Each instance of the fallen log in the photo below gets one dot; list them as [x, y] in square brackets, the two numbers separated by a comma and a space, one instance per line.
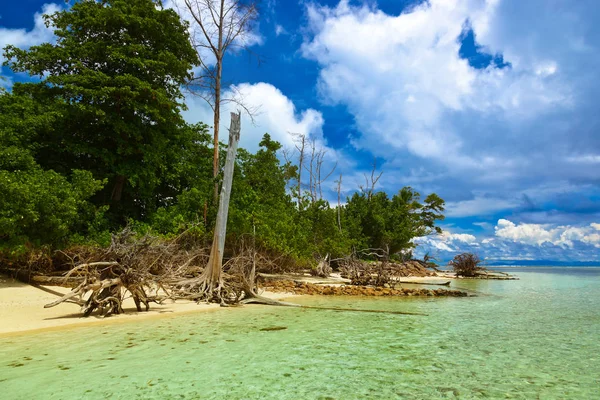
[28, 277]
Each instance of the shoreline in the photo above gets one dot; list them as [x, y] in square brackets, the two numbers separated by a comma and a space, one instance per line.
[22, 309]
[22, 306]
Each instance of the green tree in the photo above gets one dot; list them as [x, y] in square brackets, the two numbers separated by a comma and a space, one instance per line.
[375, 221]
[37, 206]
[113, 77]
[260, 199]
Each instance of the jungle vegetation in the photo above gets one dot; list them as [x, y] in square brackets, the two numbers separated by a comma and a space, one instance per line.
[92, 140]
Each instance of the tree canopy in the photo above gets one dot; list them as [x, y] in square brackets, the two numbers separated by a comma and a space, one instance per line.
[111, 83]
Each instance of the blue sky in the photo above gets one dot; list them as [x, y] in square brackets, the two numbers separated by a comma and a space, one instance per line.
[490, 104]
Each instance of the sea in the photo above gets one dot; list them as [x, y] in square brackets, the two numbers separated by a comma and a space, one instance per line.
[533, 338]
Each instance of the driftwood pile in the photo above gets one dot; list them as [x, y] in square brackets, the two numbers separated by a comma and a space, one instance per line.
[151, 269]
[381, 273]
[147, 269]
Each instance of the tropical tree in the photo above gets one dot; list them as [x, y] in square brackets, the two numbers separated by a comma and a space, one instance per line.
[113, 80]
[376, 222]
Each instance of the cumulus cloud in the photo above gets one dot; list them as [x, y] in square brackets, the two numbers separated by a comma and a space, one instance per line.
[402, 89]
[448, 242]
[519, 241]
[537, 234]
[276, 114]
[481, 131]
[524, 233]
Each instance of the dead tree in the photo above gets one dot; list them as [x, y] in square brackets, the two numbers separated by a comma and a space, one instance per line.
[300, 144]
[316, 176]
[323, 268]
[320, 176]
[371, 181]
[143, 267]
[311, 173]
[339, 206]
[211, 278]
[219, 26]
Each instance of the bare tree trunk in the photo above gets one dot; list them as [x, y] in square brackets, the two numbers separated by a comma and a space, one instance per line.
[212, 272]
[217, 116]
[301, 150]
[369, 187]
[221, 24]
[339, 208]
[117, 191]
[216, 121]
[312, 179]
[320, 159]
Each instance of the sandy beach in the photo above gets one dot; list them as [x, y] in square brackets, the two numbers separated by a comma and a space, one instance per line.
[22, 309]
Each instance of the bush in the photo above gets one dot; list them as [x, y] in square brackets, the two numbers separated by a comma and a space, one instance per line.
[466, 264]
[44, 207]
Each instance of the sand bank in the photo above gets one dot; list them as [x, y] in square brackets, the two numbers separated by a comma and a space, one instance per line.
[22, 309]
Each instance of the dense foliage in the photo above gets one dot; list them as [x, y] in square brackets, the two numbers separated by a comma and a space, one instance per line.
[111, 82]
[95, 140]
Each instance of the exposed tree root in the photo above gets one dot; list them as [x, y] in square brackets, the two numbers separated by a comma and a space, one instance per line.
[150, 269]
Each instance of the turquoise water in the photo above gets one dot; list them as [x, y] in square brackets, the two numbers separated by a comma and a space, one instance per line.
[535, 338]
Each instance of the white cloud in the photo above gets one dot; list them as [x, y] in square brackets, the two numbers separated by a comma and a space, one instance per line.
[447, 241]
[402, 89]
[525, 233]
[277, 115]
[546, 68]
[538, 234]
[280, 30]
[460, 237]
[584, 159]
[520, 241]
[23, 38]
[483, 137]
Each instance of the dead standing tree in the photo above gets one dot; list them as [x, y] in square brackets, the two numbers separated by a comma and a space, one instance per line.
[211, 280]
[371, 181]
[220, 26]
[313, 166]
[301, 143]
[339, 205]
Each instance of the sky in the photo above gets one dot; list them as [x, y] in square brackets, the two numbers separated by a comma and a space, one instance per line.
[491, 104]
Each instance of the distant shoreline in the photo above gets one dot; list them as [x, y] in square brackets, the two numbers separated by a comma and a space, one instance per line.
[543, 266]
[542, 263]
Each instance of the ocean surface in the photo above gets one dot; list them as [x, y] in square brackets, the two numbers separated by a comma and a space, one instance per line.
[534, 338]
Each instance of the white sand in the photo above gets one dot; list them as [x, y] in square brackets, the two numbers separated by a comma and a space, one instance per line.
[22, 309]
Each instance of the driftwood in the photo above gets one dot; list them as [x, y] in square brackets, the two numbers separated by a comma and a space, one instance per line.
[137, 267]
[35, 279]
[381, 273]
[323, 269]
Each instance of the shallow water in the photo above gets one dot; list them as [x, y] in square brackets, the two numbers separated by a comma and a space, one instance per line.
[538, 337]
